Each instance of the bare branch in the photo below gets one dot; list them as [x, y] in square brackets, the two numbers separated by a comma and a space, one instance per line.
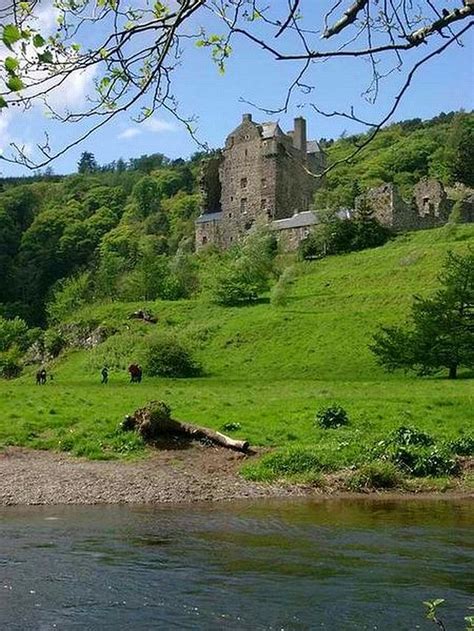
[349, 17]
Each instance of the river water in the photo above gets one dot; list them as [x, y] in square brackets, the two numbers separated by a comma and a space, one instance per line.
[332, 564]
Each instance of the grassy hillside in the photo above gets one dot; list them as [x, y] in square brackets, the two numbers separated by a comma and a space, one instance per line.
[267, 368]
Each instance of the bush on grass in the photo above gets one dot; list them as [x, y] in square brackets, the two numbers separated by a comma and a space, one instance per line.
[54, 342]
[463, 446]
[167, 356]
[332, 417]
[416, 453]
[424, 461]
[10, 363]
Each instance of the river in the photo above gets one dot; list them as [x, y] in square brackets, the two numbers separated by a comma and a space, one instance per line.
[301, 564]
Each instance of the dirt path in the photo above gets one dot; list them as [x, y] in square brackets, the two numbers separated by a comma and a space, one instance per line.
[193, 474]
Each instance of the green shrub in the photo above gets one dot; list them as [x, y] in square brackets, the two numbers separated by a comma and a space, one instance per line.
[416, 453]
[10, 363]
[424, 461]
[332, 417]
[237, 284]
[375, 475]
[54, 342]
[13, 332]
[247, 275]
[68, 295]
[167, 356]
[409, 436]
[463, 446]
[231, 427]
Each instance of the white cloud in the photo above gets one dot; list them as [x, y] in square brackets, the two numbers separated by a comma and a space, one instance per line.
[46, 19]
[130, 132]
[153, 125]
[73, 92]
[157, 125]
[5, 119]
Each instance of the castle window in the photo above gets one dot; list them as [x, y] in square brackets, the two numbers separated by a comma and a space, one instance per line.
[231, 198]
[204, 240]
[263, 203]
[246, 152]
[243, 182]
[243, 205]
[264, 182]
[230, 214]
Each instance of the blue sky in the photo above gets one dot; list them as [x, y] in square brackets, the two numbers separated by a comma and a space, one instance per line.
[445, 84]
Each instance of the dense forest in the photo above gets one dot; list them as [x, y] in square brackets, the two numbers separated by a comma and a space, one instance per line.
[125, 230]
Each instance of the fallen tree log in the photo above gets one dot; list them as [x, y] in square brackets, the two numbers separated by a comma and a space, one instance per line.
[154, 421]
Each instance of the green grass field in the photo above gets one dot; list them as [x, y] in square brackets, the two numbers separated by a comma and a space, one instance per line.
[267, 368]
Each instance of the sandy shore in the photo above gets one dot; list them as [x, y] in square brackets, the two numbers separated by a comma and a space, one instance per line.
[196, 473]
[192, 474]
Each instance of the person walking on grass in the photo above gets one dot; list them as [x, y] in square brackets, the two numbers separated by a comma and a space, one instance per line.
[105, 375]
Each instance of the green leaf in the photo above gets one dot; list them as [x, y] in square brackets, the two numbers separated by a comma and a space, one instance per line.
[10, 35]
[3, 103]
[11, 64]
[46, 57]
[38, 41]
[15, 84]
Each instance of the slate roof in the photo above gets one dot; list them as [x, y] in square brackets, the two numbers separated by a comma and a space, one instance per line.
[312, 146]
[270, 130]
[300, 220]
[207, 217]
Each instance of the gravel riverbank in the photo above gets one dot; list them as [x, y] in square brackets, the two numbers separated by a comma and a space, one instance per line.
[192, 474]
[196, 473]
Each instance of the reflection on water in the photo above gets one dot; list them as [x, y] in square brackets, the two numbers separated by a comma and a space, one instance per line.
[335, 564]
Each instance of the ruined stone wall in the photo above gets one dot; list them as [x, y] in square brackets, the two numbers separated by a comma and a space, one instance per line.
[428, 208]
[210, 185]
[207, 233]
[290, 238]
[431, 202]
[380, 202]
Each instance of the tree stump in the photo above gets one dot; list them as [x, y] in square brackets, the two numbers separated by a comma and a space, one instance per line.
[154, 421]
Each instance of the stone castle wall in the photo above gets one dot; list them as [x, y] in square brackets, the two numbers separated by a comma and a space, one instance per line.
[429, 206]
[262, 173]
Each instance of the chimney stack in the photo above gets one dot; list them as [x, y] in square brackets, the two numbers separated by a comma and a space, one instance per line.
[299, 135]
[246, 117]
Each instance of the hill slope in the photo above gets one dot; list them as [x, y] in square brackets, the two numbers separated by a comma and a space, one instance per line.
[268, 369]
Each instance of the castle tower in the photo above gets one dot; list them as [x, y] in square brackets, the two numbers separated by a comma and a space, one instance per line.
[263, 174]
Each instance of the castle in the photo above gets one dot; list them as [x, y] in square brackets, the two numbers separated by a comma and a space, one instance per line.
[262, 176]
